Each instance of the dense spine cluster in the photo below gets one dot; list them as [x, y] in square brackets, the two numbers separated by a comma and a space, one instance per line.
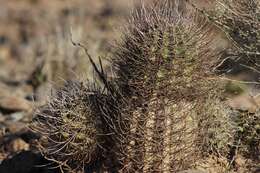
[71, 127]
[164, 74]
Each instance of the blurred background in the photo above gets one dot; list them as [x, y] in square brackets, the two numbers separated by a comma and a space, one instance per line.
[36, 54]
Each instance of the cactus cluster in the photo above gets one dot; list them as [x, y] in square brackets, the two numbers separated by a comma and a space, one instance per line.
[161, 112]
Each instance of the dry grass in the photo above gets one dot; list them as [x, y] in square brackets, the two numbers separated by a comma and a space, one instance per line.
[239, 20]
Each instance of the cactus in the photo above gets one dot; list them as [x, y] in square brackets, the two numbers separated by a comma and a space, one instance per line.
[164, 76]
[71, 127]
[161, 37]
[217, 128]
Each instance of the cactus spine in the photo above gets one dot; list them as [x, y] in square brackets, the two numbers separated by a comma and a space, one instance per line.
[71, 127]
[156, 112]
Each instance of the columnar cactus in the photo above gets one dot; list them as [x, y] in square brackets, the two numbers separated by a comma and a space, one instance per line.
[164, 76]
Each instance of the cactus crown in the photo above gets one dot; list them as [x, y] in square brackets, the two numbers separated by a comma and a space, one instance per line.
[159, 43]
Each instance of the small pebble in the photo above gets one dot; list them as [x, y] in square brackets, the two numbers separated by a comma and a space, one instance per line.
[19, 145]
[17, 116]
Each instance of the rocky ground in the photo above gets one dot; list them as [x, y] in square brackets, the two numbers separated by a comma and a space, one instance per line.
[36, 54]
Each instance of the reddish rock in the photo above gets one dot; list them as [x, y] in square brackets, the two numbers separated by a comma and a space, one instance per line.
[15, 104]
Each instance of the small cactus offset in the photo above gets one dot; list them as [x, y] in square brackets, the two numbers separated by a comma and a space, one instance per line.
[217, 127]
[164, 76]
[70, 126]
